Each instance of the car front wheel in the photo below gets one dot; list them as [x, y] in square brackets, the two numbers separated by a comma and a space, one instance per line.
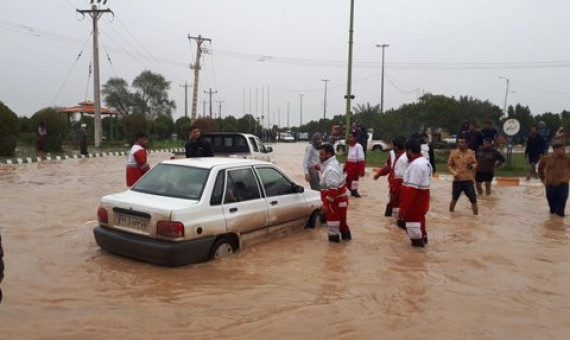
[222, 248]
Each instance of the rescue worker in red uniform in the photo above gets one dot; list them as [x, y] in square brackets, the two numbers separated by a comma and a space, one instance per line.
[334, 195]
[394, 182]
[355, 163]
[415, 195]
[136, 159]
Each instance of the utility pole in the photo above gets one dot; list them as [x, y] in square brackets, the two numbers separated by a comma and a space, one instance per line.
[506, 95]
[383, 47]
[95, 13]
[196, 67]
[325, 100]
[219, 108]
[349, 96]
[210, 93]
[204, 102]
[185, 86]
[288, 111]
[301, 110]
[268, 107]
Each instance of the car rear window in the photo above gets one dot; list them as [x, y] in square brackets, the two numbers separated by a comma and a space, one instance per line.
[173, 180]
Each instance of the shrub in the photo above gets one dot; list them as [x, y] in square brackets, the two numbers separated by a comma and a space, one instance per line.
[182, 127]
[9, 129]
[56, 126]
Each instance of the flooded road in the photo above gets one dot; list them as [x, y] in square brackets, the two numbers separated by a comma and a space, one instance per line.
[500, 275]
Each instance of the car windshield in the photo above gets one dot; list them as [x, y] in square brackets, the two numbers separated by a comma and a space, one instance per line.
[173, 181]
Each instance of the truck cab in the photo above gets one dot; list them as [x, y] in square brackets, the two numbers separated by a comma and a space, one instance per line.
[237, 144]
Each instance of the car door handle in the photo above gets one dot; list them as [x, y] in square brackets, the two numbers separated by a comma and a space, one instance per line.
[273, 203]
[232, 210]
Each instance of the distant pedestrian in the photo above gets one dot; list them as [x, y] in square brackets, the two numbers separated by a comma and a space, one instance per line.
[464, 129]
[462, 164]
[559, 136]
[415, 195]
[543, 132]
[312, 163]
[197, 146]
[427, 150]
[535, 148]
[395, 168]
[83, 137]
[488, 131]
[361, 136]
[41, 138]
[355, 164]
[137, 164]
[333, 195]
[554, 172]
[488, 159]
[474, 137]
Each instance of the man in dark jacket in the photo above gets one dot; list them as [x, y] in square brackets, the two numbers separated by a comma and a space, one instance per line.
[196, 146]
[535, 148]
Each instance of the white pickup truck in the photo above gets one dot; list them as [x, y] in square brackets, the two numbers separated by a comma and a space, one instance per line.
[237, 144]
[373, 145]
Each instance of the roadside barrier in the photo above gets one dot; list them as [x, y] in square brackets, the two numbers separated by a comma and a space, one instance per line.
[35, 159]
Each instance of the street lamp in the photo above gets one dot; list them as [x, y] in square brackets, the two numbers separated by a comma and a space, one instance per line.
[325, 100]
[506, 95]
[383, 47]
[301, 109]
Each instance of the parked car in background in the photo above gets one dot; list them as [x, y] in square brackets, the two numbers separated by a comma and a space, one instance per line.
[195, 209]
[303, 136]
[286, 137]
[451, 140]
[373, 145]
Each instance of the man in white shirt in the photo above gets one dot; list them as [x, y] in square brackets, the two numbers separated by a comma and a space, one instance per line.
[333, 195]
[355, 163]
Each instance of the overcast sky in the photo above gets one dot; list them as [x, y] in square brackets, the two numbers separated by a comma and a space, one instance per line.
[450, 47]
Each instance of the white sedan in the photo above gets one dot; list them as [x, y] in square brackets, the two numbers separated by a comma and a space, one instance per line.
[195, 209]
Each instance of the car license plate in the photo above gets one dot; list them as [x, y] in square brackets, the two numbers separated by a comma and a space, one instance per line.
[130, 222]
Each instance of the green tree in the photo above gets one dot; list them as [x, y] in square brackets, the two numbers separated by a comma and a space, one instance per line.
[162, 127]
[117, 95]
[9, 128]
[133, 124]
[56, 125]
[182, 127]
[150, 95]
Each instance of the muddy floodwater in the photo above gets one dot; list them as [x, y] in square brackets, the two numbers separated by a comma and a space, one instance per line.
[504, 274]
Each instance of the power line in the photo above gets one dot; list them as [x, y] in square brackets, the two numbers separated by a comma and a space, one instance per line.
[72, 68]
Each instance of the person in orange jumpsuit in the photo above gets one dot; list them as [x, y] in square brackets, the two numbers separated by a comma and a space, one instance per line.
[394, 181]
[415, 194]
[137, 164]
[355, 163]
[334, 195]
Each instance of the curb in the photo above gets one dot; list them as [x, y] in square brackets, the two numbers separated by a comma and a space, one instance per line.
[35, 159]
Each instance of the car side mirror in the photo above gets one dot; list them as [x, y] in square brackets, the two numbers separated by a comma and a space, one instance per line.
[299, 188]
[269, 149]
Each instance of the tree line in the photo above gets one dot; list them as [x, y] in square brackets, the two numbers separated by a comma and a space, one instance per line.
[144, 105]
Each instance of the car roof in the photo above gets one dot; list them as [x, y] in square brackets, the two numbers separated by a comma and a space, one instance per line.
[225, 133]
[211, 162]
